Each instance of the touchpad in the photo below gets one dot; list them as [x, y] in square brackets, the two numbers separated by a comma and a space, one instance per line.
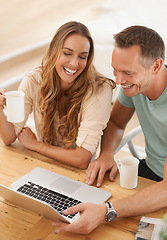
[65, 185]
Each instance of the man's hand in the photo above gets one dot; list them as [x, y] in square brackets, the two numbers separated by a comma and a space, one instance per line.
[91, 215]
[99, 167]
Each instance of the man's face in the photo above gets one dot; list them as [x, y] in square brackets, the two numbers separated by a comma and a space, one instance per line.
[129, 72]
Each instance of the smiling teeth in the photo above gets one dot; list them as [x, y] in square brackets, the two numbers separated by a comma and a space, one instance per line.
[69, 71]
[127, 86]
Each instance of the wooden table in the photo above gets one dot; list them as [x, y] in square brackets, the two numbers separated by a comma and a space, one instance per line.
[17, 223]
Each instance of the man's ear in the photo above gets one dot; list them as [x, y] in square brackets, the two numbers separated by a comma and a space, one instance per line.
[156, 66]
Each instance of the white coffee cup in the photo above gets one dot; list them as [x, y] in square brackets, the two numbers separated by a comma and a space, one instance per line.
[128, 168]
[15, 106]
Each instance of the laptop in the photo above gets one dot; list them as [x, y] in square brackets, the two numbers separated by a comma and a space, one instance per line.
[48, 193]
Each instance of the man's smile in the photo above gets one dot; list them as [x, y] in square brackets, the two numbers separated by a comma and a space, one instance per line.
[127, 86]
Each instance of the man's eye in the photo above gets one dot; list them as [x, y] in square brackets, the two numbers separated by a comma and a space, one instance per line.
[129, 74]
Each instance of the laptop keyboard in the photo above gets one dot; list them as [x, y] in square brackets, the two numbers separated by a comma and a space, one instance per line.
[58, 201]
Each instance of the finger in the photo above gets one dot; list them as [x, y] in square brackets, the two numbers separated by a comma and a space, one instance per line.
[73, 227]
[113, 173]
[77, 208]
[60, 227]
[101, 176]
[92, 175]
[89, 170]
[2, 101]
[2, 97]
[2, 92]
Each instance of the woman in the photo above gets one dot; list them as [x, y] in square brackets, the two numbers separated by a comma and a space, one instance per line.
[70, 101]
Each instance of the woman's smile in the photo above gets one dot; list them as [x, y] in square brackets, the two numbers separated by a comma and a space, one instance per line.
[69, 71]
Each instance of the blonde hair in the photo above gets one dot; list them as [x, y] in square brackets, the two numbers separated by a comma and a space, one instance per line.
[50, 88]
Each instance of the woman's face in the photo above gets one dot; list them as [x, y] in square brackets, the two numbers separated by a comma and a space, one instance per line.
[73, 59]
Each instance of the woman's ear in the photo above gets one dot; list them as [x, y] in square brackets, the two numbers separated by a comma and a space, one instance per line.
[156, 66]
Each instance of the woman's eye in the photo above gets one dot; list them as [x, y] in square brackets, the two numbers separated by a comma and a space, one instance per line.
[82, 57]
[67, 54]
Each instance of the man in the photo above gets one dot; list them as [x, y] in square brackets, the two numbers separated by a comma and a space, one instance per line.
[138, 64]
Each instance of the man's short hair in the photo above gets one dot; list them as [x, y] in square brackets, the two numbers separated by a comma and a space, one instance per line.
[151, 44]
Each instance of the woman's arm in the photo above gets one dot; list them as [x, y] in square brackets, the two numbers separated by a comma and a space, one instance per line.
[10, 131]
[78, 157]
[7, 131]
[94, 115]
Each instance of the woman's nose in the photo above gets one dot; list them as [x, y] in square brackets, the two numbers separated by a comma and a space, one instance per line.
[74, 61]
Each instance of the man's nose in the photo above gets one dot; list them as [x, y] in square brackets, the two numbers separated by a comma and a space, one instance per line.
[119, 79]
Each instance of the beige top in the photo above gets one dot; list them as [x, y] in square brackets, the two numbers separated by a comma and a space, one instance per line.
[93, 117]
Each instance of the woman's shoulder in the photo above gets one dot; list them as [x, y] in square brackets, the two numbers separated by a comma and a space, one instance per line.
[99, 92]
[104, 86]
[35, 76]
[107, 83]
[31, 81]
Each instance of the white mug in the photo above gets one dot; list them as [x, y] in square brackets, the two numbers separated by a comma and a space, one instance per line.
[15, 106]
[128, 168]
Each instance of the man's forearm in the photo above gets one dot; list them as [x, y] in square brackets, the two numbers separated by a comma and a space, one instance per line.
[111, 138]
[148, 200]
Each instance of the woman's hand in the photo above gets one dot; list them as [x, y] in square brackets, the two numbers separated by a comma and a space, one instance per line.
[2, 98]
[91, 215]
[28, 138]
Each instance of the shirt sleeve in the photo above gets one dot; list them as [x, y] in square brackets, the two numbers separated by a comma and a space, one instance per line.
[27, 86]
[94, 115]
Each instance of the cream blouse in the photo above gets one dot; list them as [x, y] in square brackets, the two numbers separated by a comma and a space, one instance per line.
[93, 117]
